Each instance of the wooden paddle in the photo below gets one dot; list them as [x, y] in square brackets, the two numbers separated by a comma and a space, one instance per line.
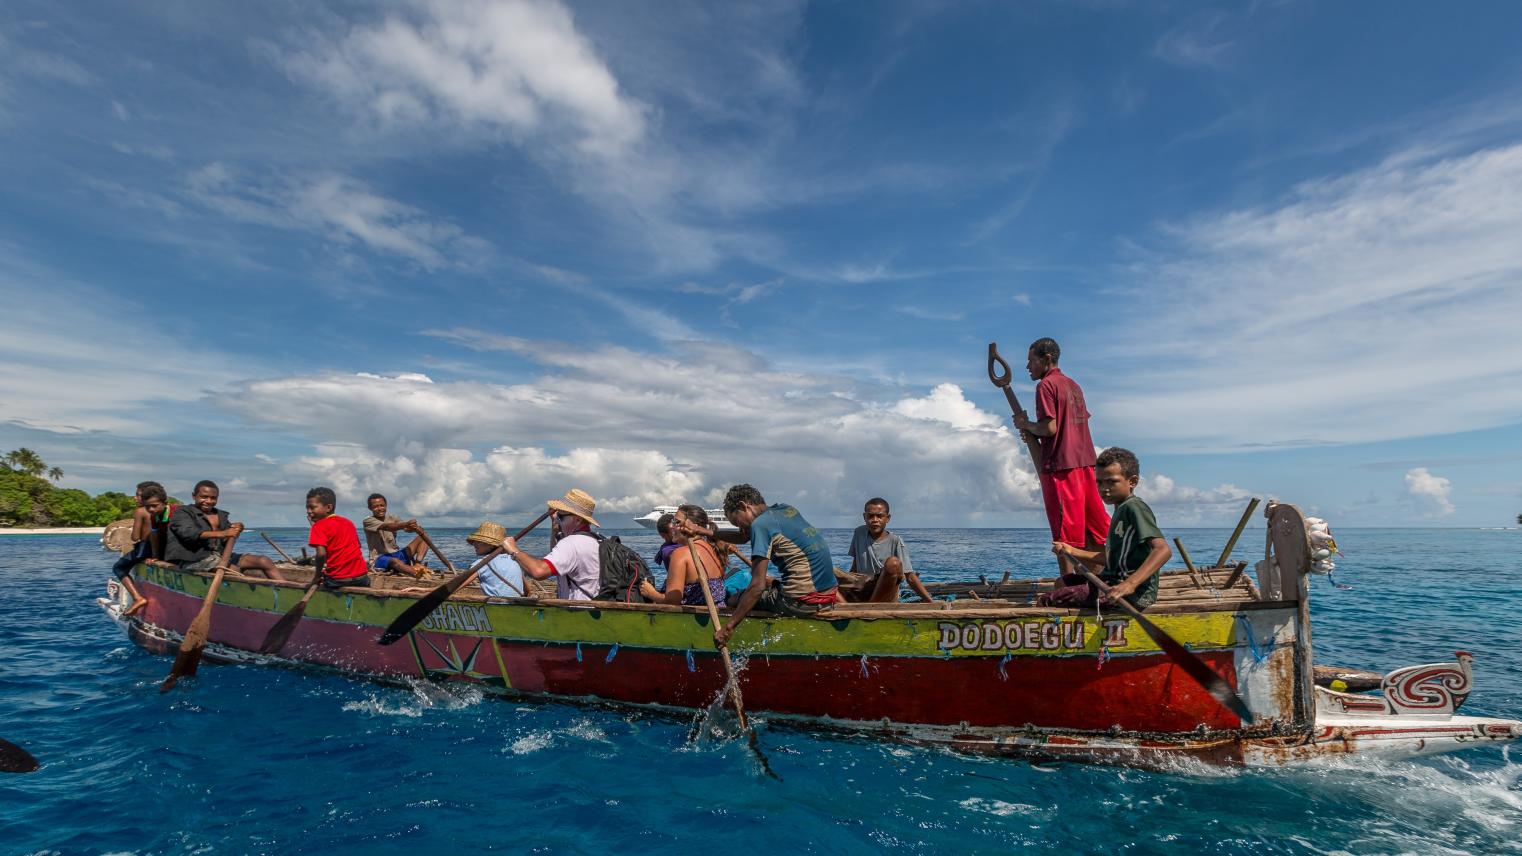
[414, 614]
[189, 659]
[443, 558]
[14, 759]
[1192, 665]
[283, 554]
[1002, 382]
[733, 683]
[281, 632]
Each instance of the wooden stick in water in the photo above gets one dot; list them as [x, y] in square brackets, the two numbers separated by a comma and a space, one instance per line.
[733, 683]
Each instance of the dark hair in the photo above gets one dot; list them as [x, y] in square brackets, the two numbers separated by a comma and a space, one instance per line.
[205, 483]
[741, 494]
[373, 497]
[877, 500]
[142, 486]
[663, 525]
[696, 513]
[1047, 348]
[324, 495]
[151, 490]
[1129, 466]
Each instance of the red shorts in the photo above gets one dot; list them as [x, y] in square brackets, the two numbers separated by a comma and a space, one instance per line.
[1073, 507]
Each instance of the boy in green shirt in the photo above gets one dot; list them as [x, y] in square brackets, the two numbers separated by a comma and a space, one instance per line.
[1134, 549]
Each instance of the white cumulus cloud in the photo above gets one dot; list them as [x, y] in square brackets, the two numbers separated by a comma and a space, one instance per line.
[1430, 491]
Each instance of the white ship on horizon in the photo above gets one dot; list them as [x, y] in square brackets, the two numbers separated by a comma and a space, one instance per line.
[715, 516]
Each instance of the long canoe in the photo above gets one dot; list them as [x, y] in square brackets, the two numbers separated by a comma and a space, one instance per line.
[986, 672]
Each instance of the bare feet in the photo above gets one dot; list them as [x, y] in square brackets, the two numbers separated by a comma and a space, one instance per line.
[136, 607]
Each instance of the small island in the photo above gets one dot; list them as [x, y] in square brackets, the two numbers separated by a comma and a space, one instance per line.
[31, 504]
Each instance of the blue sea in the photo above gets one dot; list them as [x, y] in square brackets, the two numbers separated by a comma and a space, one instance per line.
[265, 760]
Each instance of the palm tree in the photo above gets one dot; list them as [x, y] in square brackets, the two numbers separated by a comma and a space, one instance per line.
[25, 460]
[55, 473]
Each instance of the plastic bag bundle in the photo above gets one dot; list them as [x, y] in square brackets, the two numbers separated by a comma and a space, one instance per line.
[1323, 545]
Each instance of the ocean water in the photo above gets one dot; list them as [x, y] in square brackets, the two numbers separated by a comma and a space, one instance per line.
[264, 760]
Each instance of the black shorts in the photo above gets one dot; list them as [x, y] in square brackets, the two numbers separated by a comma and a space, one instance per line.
[361, 581]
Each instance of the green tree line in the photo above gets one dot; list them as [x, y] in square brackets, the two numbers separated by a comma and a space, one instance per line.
[28, 497]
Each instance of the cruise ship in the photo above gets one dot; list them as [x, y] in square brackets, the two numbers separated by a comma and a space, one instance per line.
[715, 516]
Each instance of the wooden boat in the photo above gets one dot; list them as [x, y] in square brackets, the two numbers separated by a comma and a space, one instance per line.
[987, 671]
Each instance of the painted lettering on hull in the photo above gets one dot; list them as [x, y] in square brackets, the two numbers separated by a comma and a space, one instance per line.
[461, 617]
[1012, 636]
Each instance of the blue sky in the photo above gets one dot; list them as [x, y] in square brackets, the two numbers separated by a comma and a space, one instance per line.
[471, 254]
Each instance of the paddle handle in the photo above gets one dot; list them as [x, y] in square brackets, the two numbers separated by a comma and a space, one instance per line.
[1241, 524]
[421, 533]
[282, 553]
[194, 640]
[1000, 374]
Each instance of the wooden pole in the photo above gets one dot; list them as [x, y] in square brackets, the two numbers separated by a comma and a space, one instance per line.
[1241, 524]
[421, 533]
[282, 553]
[1193, 574]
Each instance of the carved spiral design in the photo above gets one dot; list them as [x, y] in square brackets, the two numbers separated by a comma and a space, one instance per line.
[1429, 688]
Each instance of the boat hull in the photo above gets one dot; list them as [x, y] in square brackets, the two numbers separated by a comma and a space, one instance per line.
[1073, 686]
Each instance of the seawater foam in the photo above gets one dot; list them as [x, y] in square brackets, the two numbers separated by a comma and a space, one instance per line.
[425, 696]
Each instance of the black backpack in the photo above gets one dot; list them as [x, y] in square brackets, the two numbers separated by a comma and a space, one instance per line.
[622, 570]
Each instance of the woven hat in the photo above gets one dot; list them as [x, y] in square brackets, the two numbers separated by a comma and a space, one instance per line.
[576, 502]
[488, 533]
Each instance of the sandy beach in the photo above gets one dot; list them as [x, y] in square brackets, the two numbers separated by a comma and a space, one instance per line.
[61, 530]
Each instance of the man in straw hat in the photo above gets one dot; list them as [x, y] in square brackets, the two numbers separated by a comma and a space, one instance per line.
[500, 577]
[573, 561]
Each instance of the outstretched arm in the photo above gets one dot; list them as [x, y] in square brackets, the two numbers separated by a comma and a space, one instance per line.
[537, 568]
[747, 601]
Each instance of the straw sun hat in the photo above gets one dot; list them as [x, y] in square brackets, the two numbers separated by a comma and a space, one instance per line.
[576, 502]
[488, 533]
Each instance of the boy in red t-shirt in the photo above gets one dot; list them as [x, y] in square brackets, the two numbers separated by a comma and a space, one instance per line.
[336, 542]
[1073, 508]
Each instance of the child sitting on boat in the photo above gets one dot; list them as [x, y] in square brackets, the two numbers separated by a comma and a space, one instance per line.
[1134, 550]
[151, 500]
[668, 544]
[340, 563]
[879, 560]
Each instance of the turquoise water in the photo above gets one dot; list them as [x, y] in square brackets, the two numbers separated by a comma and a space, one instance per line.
[263, 760]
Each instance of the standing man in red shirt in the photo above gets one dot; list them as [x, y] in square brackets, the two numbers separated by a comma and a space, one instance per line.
[1073, 507]
[336, 542]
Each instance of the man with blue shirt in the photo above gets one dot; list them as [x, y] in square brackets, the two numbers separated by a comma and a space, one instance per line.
[501, 577]
[778, 535]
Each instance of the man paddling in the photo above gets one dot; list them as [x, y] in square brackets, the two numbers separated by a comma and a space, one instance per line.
[196, 533]
[1073, 507]
[380, 537]
[573, 561]
[778, 535]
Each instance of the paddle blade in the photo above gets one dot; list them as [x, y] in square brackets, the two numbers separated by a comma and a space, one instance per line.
[14, 759]
[1196, 668]
[414, 614]
[281, 632]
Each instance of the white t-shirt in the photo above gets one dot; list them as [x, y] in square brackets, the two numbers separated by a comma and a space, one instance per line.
[577, 569]
[497, 570]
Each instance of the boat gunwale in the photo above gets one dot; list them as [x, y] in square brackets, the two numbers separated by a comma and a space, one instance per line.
[962, 608]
